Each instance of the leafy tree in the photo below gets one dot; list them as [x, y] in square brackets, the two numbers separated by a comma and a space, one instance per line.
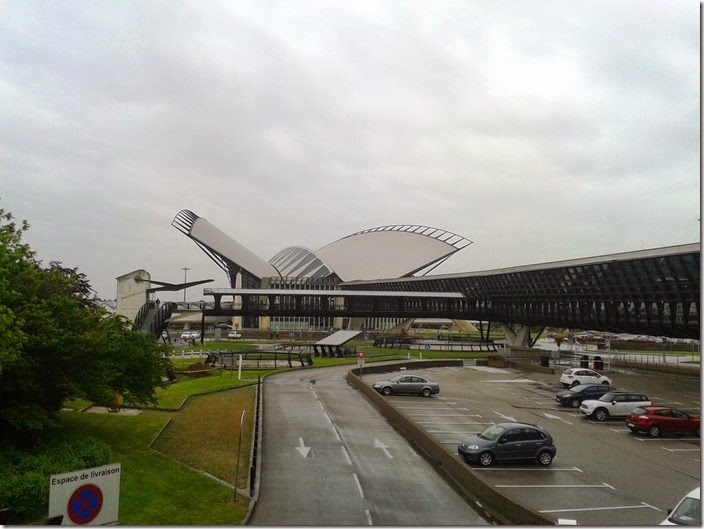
[56, 343]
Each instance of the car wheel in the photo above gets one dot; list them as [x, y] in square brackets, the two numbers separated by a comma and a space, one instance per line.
[575, 383]
[544, 458]
[575, 403]
[486, 459]
[425, 392]
[654, 431]
[386, 391]
[606, 383]
[601, 414]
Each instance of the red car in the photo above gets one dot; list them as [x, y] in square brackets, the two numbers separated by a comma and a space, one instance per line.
[657, 420]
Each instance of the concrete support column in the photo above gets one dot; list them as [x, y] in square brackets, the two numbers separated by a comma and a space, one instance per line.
[519, 339]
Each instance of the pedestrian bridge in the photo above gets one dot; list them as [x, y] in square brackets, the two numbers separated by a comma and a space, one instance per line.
[652, 292]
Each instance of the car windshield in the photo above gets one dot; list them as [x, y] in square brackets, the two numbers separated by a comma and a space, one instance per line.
[492, 433]
[578, 389]
[608, 397]
[689, 512]
[639, 411]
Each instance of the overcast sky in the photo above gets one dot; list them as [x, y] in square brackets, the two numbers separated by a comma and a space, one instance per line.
[540, 130]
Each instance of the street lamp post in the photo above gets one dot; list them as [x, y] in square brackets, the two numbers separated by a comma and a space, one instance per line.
[185, 280]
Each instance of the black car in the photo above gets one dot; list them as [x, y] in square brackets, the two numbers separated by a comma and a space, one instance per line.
[510, 441]
[574, 396]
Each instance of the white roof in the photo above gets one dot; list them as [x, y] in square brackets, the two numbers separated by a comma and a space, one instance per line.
[338, 338]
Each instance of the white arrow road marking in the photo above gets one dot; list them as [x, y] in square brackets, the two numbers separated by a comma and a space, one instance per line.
[505, 416]
[379, 444]
[556, 418]
[302, 449]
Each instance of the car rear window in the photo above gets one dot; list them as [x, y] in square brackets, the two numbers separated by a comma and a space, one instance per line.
[639, 411]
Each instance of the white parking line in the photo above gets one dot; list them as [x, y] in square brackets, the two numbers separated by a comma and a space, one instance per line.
[602, 486]
[643, 439]
[454, 422]
[642, 505]
[436, 415]
[617, 430]
[453, 432]
[681, 449]
[369, 517]
[531, 469]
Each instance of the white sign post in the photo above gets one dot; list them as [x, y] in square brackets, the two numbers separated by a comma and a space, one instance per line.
[86, 497]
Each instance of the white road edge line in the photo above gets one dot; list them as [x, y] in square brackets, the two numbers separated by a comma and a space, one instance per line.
[369, 517]
[359, 485]
[347, 456]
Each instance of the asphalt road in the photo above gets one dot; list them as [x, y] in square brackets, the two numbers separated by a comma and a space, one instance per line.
[329, 458]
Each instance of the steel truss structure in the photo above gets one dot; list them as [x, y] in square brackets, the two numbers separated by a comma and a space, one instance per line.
[652, 292]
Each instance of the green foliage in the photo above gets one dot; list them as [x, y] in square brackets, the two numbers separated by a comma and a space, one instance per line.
[56, 343]
[24, 480]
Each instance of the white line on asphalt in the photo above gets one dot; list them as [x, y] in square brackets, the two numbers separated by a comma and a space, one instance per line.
[452, 432]
[508, 418]
[328, 417]
[437, 415]
[453, 422]
[337, 434]
[531, 469]
[619, 430]
[602, 486]
[439, 406]
[681, 449]
[347, 456]
[643, 439]
[369, 517]
[359, 485]
[643, 504]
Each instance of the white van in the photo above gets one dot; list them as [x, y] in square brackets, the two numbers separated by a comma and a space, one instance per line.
[687, 512]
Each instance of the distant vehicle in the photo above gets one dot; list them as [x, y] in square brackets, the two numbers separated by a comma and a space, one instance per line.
[509, 441]
[233, 335]
[613, 404]
[225, 326]
[657, 420]
[190, 335]
[408, 384]
[576, 376]
[687, 512]
[576, 395]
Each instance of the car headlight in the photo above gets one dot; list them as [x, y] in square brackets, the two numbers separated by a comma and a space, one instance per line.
[473, 447]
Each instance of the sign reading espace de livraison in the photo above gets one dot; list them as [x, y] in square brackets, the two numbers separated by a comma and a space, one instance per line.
[86, 497]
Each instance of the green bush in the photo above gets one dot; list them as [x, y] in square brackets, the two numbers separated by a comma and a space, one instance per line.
[24, 480]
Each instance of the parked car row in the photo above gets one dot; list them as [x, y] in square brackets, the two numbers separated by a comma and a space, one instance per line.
[595, 398]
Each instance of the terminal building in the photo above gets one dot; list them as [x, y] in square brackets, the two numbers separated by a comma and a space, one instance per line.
[384, 252]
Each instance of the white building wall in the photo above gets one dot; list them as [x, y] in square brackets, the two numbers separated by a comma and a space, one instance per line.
[132, 294]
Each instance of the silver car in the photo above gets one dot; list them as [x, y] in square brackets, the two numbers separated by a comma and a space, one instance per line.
[407, 384]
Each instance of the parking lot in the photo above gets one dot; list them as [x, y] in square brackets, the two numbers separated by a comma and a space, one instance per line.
[602, 475]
